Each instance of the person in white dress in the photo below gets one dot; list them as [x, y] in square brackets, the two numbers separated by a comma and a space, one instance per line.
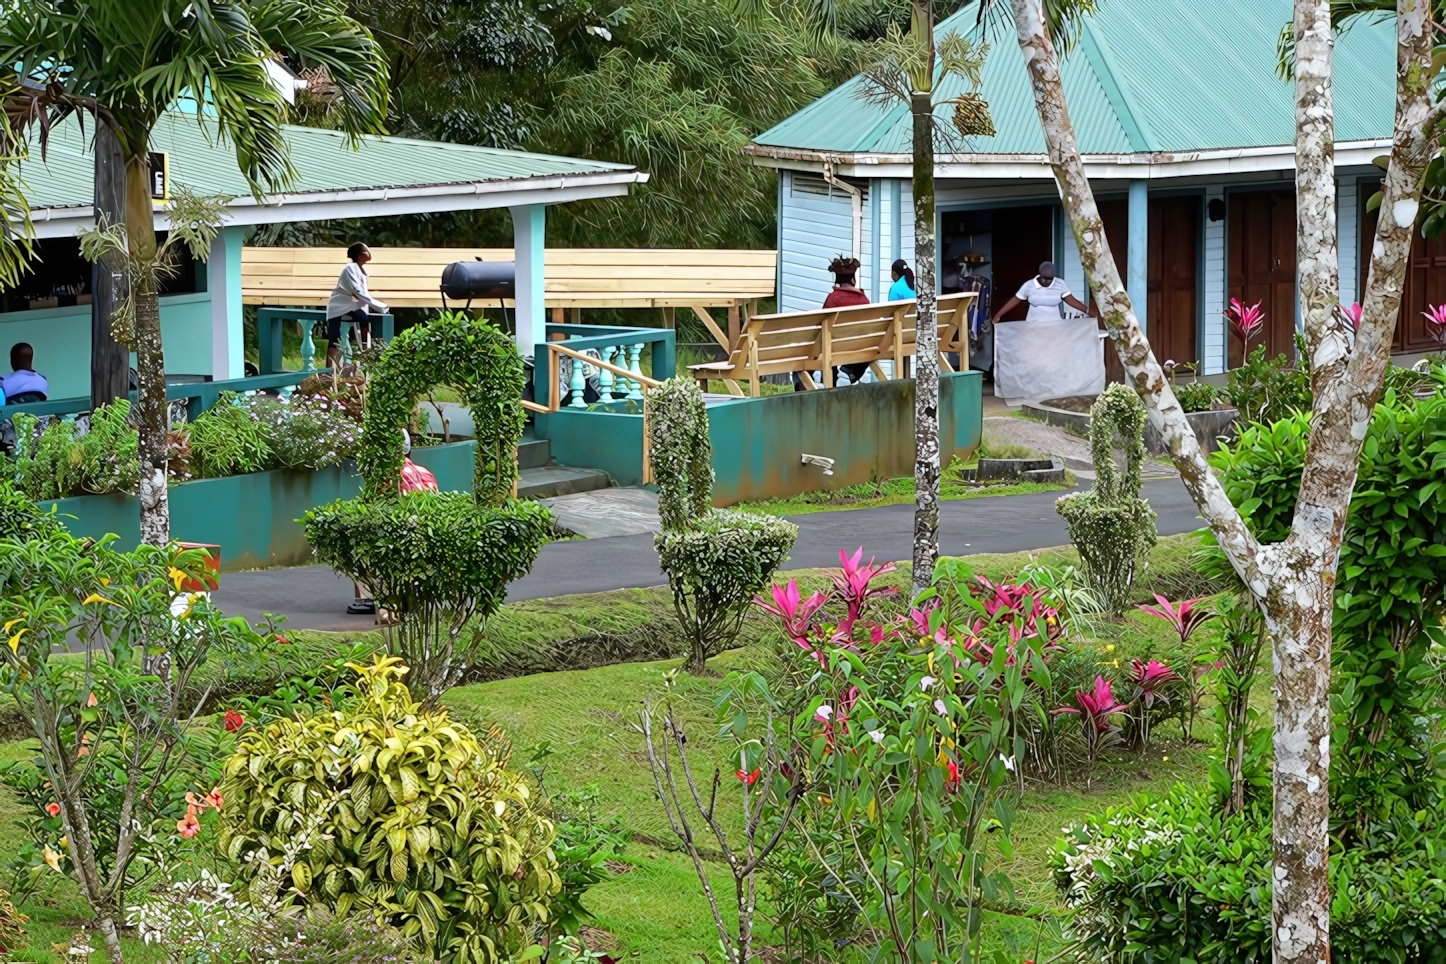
[1046, 355]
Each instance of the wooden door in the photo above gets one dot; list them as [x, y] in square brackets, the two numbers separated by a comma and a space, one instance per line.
[1425, 281]
[1261, 265]
[1022, 238]
[1173, 299]
[1115, 215]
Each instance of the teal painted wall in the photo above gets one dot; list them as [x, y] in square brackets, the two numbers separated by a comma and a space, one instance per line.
[868, 430]
[251, 517]
[61, 338]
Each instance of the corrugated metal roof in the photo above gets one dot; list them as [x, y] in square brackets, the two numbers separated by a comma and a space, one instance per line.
[323, 160]
[1147, 76]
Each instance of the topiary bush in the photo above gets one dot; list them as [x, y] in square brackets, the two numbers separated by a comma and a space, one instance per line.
[716, 560]
[439, 561]
[395, 810]
[1111, 526]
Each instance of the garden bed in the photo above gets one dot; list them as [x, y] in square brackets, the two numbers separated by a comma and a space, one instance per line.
[1073, 412]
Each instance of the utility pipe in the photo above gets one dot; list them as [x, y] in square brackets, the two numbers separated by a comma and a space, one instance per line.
[856, 196]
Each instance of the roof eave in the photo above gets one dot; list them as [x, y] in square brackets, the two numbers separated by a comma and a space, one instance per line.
[64, 220]
[1159, 164]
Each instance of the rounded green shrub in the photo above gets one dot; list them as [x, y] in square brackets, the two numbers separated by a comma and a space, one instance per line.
[1111, 526]
[399, 811]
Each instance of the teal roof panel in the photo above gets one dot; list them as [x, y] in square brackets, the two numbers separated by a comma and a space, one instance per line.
[323, 160]
[1147, 76]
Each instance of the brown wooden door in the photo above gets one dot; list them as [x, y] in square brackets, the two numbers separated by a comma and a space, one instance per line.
[1261, 259]
[1172, 303]
[1022, 238]
[1173, 300]
[1425, 281]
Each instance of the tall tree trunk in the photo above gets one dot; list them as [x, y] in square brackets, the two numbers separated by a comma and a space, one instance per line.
[109, 359]
[926, 355]
[150, 363]
[1293, 579]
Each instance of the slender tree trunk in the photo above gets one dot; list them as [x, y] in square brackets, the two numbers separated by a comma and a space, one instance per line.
[109, 359]
[150, 363]
[1294, 579]
[926, 355]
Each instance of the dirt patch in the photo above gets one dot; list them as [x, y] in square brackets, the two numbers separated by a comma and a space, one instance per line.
[618, 867]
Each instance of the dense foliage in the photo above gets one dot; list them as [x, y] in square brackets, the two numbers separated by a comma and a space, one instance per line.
[67, 458]
[253, 433]
[400, 811]
[715, 559]
[1111, 526]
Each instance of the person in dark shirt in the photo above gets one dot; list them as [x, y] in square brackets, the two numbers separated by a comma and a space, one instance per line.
[846, 293]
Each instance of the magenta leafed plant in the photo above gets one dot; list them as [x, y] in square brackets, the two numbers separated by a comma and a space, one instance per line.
[797, 615]
[1185, 618]
[1246, 320]
[1354, 313]
[1436, 322]
[852, 585]
[1096, 709]
[1150, 679]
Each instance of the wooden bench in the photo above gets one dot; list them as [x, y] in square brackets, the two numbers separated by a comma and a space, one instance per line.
[803, 342]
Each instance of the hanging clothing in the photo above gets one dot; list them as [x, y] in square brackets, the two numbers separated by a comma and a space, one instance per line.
[981, 331]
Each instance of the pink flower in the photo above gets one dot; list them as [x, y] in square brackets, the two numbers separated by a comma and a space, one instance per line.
[853, 584]
[1354, 313]
[188, 825]
[1149, 678]
[796, 614]
[234, 721]
[1436, 322]
[1247, 320]
[53, 809]
[1184, 618]
[823, 713]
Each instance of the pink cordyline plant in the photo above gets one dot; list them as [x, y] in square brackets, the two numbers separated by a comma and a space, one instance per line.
[853, 586]
[1247, 320]
[1354, 314]
[1095, 708]
[1436, 323]
[1184, 618]
[1150, 679]
[796, 614]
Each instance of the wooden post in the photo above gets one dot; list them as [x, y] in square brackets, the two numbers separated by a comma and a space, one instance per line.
[577, 315]
[898, 329]
[109, 359]
[557, 316]
[753, 366]
[826, 343]
[733, 325]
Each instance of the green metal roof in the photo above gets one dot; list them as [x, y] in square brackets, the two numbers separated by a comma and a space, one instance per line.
[1147, 76]
[324, 162]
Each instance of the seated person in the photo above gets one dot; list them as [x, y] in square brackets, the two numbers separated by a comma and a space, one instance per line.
[24, 384]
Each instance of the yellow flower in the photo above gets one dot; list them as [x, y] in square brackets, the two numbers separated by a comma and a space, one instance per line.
[104, 581]
[1110, 648]
[17, 619]
[51, 858]
[15, 640]
[96, 597]
[177, 577]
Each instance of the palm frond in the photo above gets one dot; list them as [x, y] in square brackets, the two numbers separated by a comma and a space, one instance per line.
[1344, 15]
[1064, 19]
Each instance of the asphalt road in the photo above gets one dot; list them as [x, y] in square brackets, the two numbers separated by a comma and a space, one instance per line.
[315, 597]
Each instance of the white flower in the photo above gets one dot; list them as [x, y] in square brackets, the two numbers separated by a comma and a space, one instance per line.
[823, 713]
[941, 708]
[1008, 762]
[926, 682]
[876, 735]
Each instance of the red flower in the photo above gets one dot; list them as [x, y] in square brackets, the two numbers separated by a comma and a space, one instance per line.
[748, 778]
[234, 721]
[53, 809]
[953, 780]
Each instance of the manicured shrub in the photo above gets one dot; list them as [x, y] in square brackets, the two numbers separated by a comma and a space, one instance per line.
[438, 561]
[1173, 878]
[1111, 526]
[408, 814]
[1196, 396]
[716, 560]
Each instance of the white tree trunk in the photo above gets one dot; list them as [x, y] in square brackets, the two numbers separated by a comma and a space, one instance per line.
[1294, 579]
[926, 355]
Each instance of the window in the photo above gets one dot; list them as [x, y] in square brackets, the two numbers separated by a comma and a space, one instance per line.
[58, 277]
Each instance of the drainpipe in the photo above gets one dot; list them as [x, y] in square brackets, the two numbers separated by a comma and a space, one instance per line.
[857, 198]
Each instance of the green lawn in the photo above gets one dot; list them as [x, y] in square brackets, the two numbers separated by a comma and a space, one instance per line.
[656, 911]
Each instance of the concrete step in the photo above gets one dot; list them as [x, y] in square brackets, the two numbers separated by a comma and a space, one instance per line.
[546, 481]
[533, 453]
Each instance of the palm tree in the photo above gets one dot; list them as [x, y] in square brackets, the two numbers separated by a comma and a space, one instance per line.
[129, 61]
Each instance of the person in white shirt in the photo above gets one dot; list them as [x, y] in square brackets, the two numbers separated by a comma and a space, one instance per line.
[350, 301]
[1043, 295]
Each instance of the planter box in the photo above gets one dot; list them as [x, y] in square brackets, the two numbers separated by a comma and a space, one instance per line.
[1073, 413]
[251, 517]
[1022, 470]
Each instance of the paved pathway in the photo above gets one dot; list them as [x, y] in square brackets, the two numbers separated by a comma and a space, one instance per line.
[315, 597]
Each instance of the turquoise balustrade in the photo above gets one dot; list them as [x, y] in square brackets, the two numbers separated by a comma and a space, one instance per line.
[623, 347]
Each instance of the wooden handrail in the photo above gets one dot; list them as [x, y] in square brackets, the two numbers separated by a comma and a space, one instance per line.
[534, 407]
[557, 348]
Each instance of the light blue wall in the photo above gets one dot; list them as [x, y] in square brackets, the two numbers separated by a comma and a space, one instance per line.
[814, 228]
[61, 338]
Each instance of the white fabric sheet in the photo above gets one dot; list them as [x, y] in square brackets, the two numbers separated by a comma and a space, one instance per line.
[1035, 360]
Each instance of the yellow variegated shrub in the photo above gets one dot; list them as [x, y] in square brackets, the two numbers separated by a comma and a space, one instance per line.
[390, 808]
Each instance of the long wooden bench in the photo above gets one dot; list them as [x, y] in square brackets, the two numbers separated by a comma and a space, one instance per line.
[804, 342]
